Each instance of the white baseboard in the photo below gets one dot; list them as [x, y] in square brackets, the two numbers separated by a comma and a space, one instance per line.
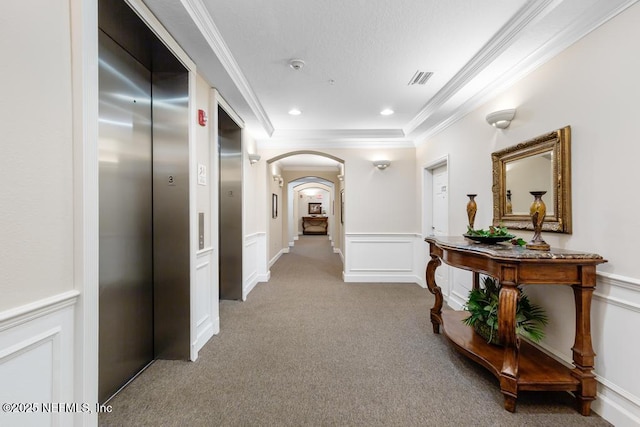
[380, 278]
[616, 405]
[246, 291]
[277, 256]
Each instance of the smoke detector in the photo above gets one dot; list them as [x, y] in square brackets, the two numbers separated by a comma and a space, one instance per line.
[296, 64]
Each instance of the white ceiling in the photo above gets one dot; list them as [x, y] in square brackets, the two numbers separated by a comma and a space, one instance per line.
[370, 49]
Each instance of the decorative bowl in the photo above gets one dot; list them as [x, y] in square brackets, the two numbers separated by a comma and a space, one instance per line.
[490, 240]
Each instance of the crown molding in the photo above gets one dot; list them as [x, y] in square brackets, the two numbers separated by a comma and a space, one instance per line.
[337, 134]
[202, 19]
[530, 12]
[570, 34]
[267, 144]
[336, 138]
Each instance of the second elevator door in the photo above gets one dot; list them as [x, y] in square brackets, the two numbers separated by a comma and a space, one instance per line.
[126, 241]
[230, 167]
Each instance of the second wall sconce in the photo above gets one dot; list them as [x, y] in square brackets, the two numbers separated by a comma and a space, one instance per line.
[254, 158]
[381, 164]
[501, 119]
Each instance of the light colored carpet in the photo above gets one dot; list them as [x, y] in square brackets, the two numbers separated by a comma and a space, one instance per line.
[308, 349]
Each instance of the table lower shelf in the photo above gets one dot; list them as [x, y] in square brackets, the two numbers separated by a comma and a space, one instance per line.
[537, 371]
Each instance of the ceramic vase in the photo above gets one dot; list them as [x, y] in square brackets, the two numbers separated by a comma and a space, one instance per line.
[538, 211]
[472, 208]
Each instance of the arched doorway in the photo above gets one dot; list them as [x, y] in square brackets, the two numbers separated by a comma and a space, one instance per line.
[288, 174]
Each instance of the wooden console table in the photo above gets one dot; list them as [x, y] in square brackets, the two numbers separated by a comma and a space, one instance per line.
[519, 365]
[314, 225]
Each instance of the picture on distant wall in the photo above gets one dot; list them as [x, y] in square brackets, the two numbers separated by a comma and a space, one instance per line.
[274, 205]
[315, 208]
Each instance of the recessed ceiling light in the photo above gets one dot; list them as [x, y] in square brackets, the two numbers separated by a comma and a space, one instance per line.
[386, 112]
[295, 112]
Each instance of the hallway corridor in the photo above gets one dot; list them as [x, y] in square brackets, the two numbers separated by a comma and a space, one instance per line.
[308, 349]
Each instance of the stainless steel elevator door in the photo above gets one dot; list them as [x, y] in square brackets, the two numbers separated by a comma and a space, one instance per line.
[126, 246]
[230, 200]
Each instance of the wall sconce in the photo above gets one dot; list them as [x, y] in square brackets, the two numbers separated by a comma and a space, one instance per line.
[254, 158]
[501, 119]
[278, 179]
[381, 164]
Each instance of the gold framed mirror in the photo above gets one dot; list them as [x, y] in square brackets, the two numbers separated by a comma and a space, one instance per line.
[540, 164]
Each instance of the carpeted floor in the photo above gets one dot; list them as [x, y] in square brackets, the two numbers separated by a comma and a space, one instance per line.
[308, 349]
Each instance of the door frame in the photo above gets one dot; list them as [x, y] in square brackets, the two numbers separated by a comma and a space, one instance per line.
[427, 192]
[427, 208]
[84, 47]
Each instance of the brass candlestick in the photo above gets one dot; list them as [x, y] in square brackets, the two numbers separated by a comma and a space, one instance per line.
[472, 208]
[538, 211]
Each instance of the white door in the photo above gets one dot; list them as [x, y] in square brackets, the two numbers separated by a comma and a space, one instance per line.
[440, 219]
[440, 211]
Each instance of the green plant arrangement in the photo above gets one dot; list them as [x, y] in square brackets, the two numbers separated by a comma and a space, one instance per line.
[483, 313]
[494, 232]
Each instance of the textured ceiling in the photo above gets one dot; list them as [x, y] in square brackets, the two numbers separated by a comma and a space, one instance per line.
[370, 49]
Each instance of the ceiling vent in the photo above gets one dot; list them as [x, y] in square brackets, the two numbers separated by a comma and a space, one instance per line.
[420, 78]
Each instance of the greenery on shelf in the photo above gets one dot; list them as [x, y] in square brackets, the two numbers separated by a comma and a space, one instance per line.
[483, 313]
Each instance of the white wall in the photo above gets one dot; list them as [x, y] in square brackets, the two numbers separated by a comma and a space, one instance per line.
[205, 318]
[276, 226]
[253, 183]
[591, 87]
[254, 258]
[204, 149]
[41, 228]
[36, 226]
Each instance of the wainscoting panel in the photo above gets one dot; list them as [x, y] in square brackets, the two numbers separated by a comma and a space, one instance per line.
[255, 264]
[615, 316]
[206, 317]
[380, 258]
[36, 363]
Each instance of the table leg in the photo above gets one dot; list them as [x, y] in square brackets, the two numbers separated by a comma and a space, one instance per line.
[476, 280]
[436, 310]
[508, 301]
[583, 354]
